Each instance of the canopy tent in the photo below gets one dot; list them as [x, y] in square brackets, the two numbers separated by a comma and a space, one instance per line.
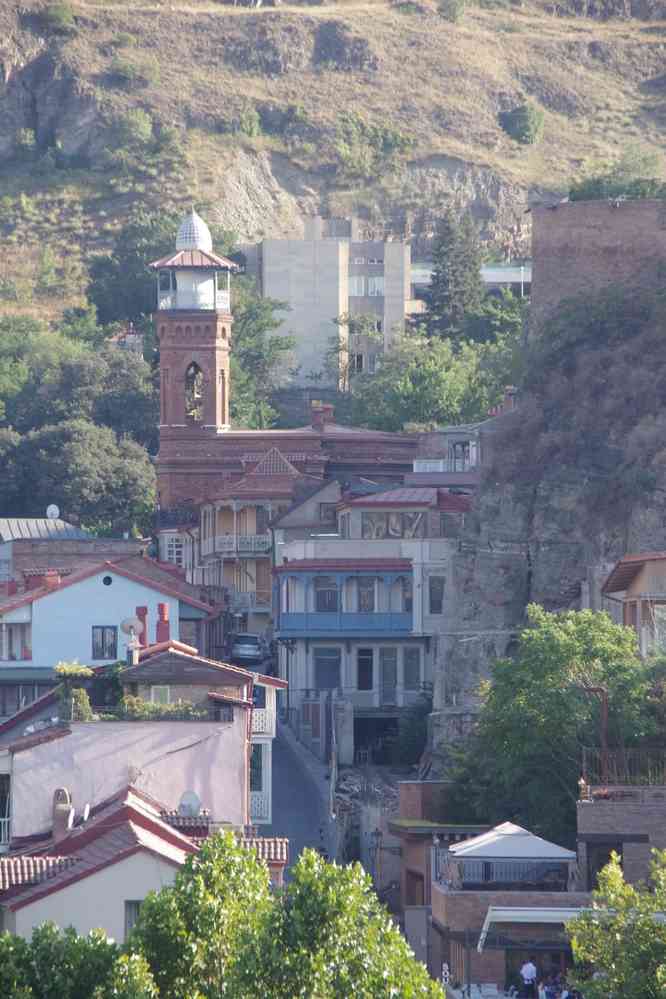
[523, 914]
[509, 842]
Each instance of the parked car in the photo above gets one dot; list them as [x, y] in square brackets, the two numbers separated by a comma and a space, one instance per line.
[248, 650]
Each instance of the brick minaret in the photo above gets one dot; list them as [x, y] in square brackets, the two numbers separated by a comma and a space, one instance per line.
[193, 321]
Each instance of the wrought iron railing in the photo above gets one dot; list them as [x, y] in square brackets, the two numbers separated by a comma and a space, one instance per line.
[646, 767]
[502, 875]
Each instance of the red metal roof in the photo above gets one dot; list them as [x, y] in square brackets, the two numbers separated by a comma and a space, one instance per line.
[626, 570]
[410, 496]
[194, 258]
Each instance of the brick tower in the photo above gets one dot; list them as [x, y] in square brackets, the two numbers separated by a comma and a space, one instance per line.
[193, 322]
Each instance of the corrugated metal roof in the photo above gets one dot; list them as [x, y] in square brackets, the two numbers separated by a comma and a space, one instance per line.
[38, 529]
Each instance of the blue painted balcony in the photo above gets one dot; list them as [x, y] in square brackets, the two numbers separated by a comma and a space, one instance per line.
[305, 624]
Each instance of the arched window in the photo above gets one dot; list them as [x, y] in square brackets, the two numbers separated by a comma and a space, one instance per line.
[194, 393]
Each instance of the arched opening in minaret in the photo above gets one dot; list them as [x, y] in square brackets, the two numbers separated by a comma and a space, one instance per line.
[194, 393]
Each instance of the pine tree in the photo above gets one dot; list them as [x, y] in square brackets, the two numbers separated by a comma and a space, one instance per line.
[456, 289]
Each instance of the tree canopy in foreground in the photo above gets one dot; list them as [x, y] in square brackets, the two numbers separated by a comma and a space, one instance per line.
[620, 949]
[221, 930]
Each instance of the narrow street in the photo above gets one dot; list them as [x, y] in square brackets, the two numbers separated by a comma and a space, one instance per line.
[296, 804]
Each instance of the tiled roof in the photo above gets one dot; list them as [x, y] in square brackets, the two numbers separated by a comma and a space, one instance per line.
[39, 529]
[138, 568]
[194, 258]
[18, 871]
[272, 849]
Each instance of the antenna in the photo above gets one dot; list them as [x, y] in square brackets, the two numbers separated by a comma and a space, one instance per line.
[52, 511]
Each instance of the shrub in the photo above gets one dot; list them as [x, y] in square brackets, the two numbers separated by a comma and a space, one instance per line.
[26, 143]
[123, 40]
[367, 150]
[451, 10]
[57, 18]
[136, 709]
[524, 123]
[248, 121]
[134, 129]
[133, 73]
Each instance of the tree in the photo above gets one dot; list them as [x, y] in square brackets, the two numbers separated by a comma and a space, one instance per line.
[130, 979]
[620, 948]
[55, 964]
[456, 288]
[423, 380]
[106, 482]
[524, 760]
[221, 931]
[360, 336]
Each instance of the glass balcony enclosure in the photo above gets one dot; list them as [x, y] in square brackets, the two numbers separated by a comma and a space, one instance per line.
[193, 289]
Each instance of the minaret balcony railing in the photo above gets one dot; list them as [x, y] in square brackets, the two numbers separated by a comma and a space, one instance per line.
[194, 300]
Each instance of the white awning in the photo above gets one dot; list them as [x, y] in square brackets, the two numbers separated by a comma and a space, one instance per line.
[545, 914]
[522, 914]
[509, 842]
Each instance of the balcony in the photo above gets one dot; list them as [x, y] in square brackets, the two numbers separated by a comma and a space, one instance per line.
[237, 544]
[263, 721]
[312, 623]
[622, 767]
[502, 875]
[188, 299]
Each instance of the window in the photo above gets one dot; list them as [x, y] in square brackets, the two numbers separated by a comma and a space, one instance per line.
[327, 599]
[356, 363]
[375, 260]
[15, 641]
[189, 632]
[356, 285]
[375, 286]
[327, 513]
[160, 695]
[326, 668]
[358, 260]
[166, 283]
[132, 909]
[407, 594]
[374, 525]
[365, 589]
[372, 363]
[223, 713]
[104, 642]
[344, 525]
[194, 384]
[364, 663]
[174, 549]
[257, 767]
[436, 594]
[412, 669]
[393, 525]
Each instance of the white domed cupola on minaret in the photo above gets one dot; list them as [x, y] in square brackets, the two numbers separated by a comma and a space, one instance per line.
[193, 321]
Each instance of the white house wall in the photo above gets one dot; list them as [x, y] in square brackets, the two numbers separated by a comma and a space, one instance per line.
[97, 901]
[162, 758]
[62, 621]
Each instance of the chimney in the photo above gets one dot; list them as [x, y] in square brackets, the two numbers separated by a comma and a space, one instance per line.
[62, 806]
[321, 414]
[51, 579]
[142, 614]
[162, 628]
[48, 578]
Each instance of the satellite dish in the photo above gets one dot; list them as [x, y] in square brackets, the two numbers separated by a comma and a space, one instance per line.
[190, 804]
[86, 812]
[52, 511]
[70, 819]
[131, 625]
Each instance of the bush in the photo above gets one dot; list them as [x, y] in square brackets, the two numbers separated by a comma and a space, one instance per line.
[133, 73]
[248, 122]
[26, 143]
[524, 123]
[451, 10]
[57, 18]
[136, 709]
[134, 129]
[367, 150]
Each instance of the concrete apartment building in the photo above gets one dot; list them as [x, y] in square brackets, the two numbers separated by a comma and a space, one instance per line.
[332, 272]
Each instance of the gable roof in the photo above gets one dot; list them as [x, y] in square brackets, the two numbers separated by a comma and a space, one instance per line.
[332, 485]
[39, 529]
[509, 842]
[274, 463]
[139, 570]
[156, 655]
[625, 571]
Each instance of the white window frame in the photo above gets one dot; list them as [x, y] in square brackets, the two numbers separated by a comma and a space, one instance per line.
[357, 286]
[376, 286]
[160, 686]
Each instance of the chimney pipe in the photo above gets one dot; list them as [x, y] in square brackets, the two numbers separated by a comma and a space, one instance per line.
[162, 629]
[62, 806]
[142, 614]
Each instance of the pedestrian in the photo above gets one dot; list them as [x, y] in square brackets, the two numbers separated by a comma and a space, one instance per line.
[528, 974]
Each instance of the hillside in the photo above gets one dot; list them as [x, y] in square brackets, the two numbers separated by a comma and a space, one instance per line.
[258, 115]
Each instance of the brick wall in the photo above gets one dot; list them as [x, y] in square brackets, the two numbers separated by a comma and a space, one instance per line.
[587, 246]
[424, 799]
[466, 910]
[68, 554]
[643, 816]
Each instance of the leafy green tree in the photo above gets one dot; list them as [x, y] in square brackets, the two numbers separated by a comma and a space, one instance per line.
[524, 760]
[130, 979]
[55, 964]
[360, 336]
[221, 931]
[620, 948]
[456, 288]
[106, 482]
[426, 381]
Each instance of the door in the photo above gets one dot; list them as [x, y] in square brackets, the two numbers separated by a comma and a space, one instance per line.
[388, 676]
